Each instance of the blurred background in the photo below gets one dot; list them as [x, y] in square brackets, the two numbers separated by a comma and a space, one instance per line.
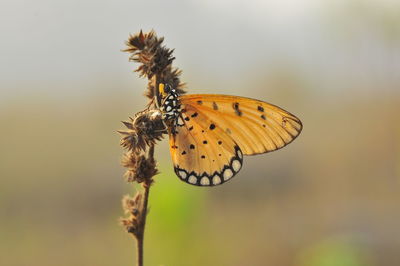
[332, 197]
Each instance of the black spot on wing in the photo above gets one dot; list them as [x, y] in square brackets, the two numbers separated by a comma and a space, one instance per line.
[235, 107]
[215, 106]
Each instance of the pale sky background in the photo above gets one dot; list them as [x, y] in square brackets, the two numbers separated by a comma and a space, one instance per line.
[63, 48]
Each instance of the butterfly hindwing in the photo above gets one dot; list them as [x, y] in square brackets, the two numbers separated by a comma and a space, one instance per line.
[203, 155]
[214, 131]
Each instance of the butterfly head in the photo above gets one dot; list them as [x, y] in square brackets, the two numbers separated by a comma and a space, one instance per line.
[170, 106]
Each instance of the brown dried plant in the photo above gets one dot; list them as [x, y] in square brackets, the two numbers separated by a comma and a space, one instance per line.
[145, 128]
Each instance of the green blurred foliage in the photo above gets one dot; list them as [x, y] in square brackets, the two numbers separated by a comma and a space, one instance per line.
[334, 252]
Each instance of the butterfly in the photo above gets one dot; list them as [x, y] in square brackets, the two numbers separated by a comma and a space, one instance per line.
[210, 133]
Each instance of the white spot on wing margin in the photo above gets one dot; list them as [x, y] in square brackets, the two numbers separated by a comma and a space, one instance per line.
[227, 174]
[205, 181]
[236, 165]
[192, 179]
[216, 180]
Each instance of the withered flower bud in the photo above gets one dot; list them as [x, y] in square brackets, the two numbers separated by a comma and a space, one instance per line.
[155, 60]
[144, 130]
[139, 168]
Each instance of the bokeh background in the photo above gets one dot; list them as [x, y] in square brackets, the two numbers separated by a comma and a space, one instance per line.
[331, 198]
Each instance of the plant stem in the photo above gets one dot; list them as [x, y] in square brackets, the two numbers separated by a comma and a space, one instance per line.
[139, 241]
[140, 234]
[140, 237]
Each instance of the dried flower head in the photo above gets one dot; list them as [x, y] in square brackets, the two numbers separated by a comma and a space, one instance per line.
[132, 207]
[155, 60]
[147, 50]
[143, 130]
[139, 168]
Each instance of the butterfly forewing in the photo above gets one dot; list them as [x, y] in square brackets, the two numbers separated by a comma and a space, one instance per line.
[214, 131]
[256, 126]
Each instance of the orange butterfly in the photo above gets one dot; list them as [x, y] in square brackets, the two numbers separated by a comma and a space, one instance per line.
[210, 133]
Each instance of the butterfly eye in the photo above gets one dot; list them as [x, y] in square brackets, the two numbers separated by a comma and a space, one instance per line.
[164, 89]
[161, 89]
[167, 88]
